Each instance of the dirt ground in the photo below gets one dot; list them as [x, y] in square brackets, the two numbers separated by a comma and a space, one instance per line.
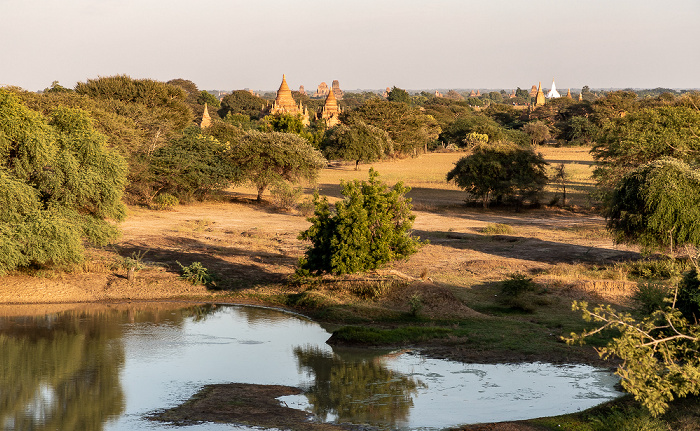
[253, 248]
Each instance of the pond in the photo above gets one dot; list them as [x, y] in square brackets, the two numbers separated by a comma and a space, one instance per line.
[107, 369]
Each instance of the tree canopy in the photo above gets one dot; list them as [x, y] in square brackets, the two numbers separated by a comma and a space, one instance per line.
[499, 171]
[358, 142]
[59, 185]
[657, 205]
[408, 127]
[271, 158]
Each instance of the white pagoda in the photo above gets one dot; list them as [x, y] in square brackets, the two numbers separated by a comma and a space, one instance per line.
[553, 93]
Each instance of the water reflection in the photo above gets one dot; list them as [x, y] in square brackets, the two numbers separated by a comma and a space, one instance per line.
[60, 372]
[360, 392]
[105, 369]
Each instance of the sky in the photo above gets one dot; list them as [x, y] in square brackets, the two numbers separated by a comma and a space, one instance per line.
[364, 44]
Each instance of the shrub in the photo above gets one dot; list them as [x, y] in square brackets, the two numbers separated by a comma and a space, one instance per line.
[367, 229]
[514, 292]
[164, 201]
[498, 229]
[197, 274]
[650, 297]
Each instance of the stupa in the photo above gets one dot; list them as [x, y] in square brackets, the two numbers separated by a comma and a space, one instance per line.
[336, 89]
[285, 104]
[539, 101]
[206, 119]
[553, 93]
[330, 112]
[568, 94]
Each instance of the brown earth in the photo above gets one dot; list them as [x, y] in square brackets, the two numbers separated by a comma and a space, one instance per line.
[253, 249]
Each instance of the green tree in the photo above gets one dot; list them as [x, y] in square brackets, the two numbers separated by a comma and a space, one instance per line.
[59, 186]
[242, 102]
[399, 95]
[643, 136]
[208, 98]
[498, 171]
[659, 352]
[272, 158]
[408, 127]
[358, 142]
[538, 132]
[365, 230]
[193, 166]
[657, 205]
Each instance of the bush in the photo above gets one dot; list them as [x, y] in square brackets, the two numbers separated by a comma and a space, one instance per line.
[650, 297]
[197, 274]
[514, 292]
[498, 229]
[367, 229]
[164, 201]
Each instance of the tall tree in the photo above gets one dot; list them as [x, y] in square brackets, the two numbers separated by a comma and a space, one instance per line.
[358, 142]
[272, 158]
[59, 186]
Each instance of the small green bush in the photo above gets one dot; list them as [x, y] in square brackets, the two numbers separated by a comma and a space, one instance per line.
[650, 297]
[164, 201]
[514, 292]
[197, 274]
[498, 229]
[286, 196]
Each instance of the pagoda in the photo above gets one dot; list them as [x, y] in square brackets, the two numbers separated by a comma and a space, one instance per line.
[206, 119]
[284, 103]
[330, 112]
[553, 93]
[539, 101]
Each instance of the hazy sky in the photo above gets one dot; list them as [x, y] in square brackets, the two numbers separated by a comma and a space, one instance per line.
[365, 44]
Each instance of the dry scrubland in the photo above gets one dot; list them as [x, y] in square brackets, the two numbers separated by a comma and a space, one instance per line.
[253, 248]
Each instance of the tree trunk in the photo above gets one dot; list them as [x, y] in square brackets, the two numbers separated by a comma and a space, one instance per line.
[261, 190]
[130, 275]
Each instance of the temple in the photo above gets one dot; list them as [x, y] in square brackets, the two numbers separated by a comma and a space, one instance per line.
[206, 119]
[330, 112]
[539, 101]
[553, 93]
[285, 104]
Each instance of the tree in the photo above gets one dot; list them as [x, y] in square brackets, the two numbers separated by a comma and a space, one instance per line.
[398, 95]
[271, 158]
[193, 166]
[408, 127]
[357, 142]
[242, 102]
[643, 136]
[59, 186]
[498, 171]
[657, 205]
[208, 98]
[367, 229]
[538, 132]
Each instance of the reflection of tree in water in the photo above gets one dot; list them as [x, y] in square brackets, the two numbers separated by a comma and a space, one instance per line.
[60, 372]
[358, 392]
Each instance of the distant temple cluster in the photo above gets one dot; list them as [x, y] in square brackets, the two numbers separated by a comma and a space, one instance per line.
[330, 112]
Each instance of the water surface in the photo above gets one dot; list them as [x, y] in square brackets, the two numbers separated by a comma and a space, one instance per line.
[106, 370]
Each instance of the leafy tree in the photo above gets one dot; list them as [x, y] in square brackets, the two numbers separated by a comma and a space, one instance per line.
[659, 352]
[408, 127]
[455, 132]
[538, 132]
[59, 186]
[367, 229]
[271, 158]
[242, 102]
[357, 142]
[445, 111]
[657, 205]
[498, 171]
[398, 95]
[579, 129]
[208, 98]
[645, 135]
[193, 166]
[285, 123]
